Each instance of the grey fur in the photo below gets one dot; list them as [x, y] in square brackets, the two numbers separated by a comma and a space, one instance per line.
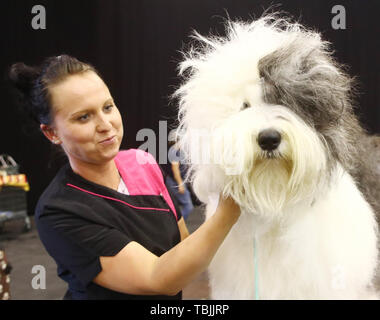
[369, 179]
[304, 77]
[368, 173]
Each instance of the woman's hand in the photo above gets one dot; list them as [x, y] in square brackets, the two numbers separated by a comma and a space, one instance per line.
[229, 207]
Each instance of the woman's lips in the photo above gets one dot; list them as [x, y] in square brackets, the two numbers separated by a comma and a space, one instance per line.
[108, 141]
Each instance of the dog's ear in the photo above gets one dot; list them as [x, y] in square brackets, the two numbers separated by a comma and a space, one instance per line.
[303, 76]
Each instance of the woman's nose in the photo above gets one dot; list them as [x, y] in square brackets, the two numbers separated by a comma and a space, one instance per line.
[104, 123]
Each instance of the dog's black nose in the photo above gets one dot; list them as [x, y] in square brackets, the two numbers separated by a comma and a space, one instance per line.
[269, 139]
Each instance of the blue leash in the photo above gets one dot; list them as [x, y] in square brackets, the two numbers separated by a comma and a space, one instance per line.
[256, 270]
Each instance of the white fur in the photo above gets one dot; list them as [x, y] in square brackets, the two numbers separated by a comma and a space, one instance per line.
[322, 251]
[315, 234]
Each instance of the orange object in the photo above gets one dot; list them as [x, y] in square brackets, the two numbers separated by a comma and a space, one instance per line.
[15, 180]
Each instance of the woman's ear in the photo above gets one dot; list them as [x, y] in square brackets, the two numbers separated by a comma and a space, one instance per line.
[50, 133]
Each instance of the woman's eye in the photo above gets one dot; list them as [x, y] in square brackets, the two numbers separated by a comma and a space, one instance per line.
[108, 108]
[83, 117]
[246, 105]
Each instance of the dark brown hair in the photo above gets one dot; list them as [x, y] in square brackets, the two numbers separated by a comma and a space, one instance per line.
[32, 83]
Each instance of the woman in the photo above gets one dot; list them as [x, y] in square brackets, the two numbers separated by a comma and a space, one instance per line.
[107, 218]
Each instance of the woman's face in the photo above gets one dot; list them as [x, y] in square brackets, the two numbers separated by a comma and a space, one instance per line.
[86, 121]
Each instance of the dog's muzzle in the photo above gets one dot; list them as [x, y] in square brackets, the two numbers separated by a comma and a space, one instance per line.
[269, 139]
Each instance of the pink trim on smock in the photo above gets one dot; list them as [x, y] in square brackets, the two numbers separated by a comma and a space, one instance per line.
[142, 175]
[117, 200]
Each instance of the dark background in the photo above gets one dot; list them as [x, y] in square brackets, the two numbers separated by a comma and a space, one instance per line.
[135, 45]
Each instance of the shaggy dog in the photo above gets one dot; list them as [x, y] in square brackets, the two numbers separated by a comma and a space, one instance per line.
[266, 117]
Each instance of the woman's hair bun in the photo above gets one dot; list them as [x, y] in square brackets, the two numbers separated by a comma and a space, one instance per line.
[23, 77]
[32, 83]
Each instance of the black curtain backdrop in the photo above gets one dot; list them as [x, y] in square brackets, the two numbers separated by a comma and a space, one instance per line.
[135, 45]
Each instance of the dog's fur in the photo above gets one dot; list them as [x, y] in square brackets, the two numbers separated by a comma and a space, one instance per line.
[309, 206]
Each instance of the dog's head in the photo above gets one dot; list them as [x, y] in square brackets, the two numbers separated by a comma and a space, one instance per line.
[265, 113]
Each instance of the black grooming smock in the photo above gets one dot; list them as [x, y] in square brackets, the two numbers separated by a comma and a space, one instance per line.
[78, 221]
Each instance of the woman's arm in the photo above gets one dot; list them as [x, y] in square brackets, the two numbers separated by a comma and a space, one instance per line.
[135, 270]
